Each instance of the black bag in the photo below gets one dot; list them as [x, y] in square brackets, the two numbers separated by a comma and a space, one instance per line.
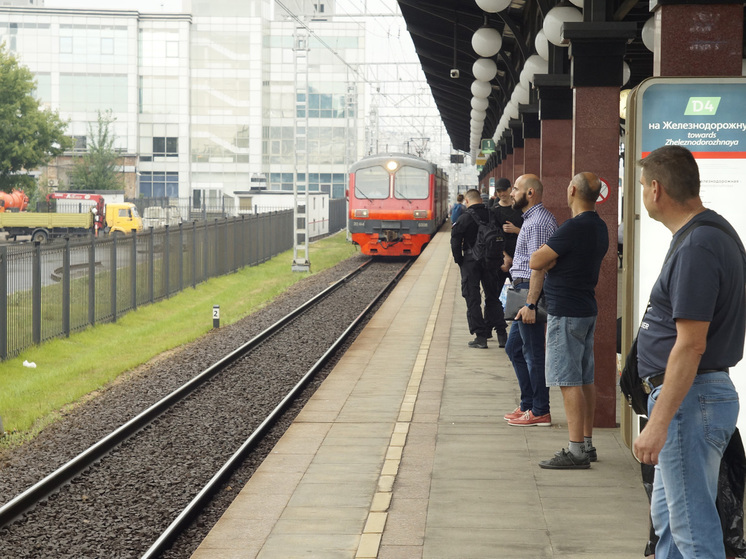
[631, 383]
[490, 243]
[515, 300]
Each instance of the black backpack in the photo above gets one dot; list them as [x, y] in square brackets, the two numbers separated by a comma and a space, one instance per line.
[490, 243]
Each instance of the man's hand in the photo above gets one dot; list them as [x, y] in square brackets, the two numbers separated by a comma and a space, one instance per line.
[649, 444]
[526, 315]
[507, 262]
[508, 227]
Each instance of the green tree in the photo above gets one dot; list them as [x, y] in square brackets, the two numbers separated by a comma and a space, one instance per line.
[30, 136]
[98, 169]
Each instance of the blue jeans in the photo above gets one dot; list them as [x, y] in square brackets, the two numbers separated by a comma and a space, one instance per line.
[525, 349]
[686, 477]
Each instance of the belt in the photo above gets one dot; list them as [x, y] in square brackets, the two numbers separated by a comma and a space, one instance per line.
[518, 281]
[654, 381]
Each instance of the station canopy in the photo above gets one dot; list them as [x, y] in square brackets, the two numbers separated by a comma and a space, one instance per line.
[442, 33]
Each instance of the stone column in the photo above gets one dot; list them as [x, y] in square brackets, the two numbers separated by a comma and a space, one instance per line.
[531, 139]
[596, 51]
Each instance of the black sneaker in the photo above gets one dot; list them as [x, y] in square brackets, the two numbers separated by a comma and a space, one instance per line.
[565, 460]
[502, 339]
[592, 454]
[479, 342]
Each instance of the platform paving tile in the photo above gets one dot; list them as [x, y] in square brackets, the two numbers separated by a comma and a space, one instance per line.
[487, 544]
[322, 520]
[304, 546]
[333, 495]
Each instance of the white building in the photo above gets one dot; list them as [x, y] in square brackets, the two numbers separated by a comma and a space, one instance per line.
[207, 103]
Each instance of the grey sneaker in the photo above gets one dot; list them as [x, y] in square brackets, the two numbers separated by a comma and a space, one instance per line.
[479, 342]
[565, 460]
[592, 454]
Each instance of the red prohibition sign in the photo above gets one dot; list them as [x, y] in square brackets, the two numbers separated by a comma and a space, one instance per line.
[605, 191]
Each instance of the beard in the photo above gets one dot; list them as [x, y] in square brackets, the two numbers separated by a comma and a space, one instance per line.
[520, 203]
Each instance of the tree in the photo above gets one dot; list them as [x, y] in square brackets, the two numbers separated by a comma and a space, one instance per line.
[98, 169]
[30, 136]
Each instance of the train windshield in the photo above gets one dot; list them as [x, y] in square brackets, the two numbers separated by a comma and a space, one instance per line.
[411, 183]
[372, 183]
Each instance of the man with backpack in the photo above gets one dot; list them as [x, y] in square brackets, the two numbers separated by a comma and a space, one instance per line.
[477, 245]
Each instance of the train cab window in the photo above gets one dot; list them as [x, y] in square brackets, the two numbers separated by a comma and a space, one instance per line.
[411, 183]
[372, 183]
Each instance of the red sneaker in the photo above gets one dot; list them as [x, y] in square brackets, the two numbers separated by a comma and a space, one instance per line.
[515, 414]
[528, 419]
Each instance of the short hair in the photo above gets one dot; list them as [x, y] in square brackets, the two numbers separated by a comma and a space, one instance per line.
[533, 182]
[460, 198]
[675, 169]
[473, 195]
[587, 190]
[502, 184]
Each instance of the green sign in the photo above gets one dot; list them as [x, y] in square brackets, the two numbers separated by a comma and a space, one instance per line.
[703, 106]
[488, 146]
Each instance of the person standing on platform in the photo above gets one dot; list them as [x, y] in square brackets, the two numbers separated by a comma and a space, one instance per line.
[691, 333]
[525, 347]
[458, 208]
[572, 259]
[474, 273]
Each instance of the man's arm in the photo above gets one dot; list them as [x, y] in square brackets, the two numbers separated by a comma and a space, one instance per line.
[681, 368]
[536, 283]
[543, 259]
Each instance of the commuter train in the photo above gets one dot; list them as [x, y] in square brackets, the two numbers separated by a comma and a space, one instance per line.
[396, 203]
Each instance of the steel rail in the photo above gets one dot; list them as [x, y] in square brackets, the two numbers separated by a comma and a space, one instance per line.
[212, 486]
[37, 492]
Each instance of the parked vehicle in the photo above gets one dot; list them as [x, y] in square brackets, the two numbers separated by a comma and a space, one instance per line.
[16, 201]
[156, 216]
[42, 226]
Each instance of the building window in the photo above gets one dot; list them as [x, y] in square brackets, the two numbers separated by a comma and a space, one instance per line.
[165, 147]
[107, 45]
[79, 143]
[172, 49]
[159, 185]
[66, 45]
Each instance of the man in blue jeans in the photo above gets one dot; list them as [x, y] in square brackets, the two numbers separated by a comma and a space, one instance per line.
[572, 258]
[525, 346]
[692, 332]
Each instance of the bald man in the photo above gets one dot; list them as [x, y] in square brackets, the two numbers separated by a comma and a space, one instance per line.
[572, 260]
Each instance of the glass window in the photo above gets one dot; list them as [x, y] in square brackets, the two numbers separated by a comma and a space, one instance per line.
[66, 45]
[411, 183]
[372, 183]
[107, 45]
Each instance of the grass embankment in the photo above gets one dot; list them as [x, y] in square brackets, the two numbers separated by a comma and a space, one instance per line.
[69, 369]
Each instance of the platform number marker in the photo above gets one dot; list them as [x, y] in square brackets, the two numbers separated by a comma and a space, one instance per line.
[216, 316]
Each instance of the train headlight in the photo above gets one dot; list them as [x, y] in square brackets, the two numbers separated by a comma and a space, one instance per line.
[392, 165]
[420, 214]
[361, 213]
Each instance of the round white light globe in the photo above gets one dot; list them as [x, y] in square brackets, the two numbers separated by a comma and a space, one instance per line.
[648, 34]
[480, 103]
[484, 69]
[578, 3]
[478, 115]
[626, 72]
[520, 94]
[512, 109]
[493, 6]
[541, 44]
[486, 41]
[481, 89]
[554, 20]
[535, 64]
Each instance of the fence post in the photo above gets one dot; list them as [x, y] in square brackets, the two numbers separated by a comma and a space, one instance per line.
[36, 294]
[206, 253]
[181, 257]
[3, 303]
[194, 254]
[133, 271]
[66, 289]
[113, 267]
[166, 262]
[151, 266]
[92, 282]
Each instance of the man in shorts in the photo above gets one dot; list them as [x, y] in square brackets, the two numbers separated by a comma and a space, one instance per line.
[572, 257]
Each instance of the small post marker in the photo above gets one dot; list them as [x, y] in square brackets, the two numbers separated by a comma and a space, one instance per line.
[216, 316]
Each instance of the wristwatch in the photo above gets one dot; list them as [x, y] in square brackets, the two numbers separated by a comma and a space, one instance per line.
[531, 306]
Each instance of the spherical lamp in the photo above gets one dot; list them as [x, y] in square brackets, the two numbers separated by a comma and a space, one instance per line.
[626, 72]
[578, 3]
[484, 69]
[512, 109]
[541, 44]
[479, 116]
[493, 6]
[648, 34]
[554, 20]
[486, 41]
[480, 103]
[535, 64]
[481, 89]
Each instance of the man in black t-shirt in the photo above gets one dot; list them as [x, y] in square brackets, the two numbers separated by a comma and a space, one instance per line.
[573, 256]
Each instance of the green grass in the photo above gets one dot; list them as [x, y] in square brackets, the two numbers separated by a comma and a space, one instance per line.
[68, 370]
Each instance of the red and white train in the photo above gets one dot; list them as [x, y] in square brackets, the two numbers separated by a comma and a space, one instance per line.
[396, 203]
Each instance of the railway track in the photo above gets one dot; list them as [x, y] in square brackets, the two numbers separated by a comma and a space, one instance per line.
[133, 492]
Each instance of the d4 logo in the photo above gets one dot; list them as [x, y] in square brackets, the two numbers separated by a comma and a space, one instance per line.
[702, 106]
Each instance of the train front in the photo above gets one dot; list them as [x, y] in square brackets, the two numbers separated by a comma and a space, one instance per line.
[391, 200]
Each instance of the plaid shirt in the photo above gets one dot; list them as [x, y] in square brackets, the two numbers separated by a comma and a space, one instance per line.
[538, 225]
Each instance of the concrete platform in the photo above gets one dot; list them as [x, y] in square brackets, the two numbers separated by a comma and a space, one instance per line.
[403, 454]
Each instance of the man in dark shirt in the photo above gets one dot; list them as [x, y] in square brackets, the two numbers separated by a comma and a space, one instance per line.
[573, 256]
[692, 332]
[474, 273]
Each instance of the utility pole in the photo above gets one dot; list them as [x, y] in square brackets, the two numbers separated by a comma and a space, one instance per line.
[301, 262]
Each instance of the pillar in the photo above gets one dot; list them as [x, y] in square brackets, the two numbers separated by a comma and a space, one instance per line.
[531, 139]
[516, 128]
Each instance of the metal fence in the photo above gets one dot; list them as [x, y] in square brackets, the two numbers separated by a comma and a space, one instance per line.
[69, 285]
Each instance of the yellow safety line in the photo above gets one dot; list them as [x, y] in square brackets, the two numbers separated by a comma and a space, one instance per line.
[370, 540]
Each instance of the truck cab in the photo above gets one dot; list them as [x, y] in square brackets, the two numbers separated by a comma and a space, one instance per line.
[122, 218]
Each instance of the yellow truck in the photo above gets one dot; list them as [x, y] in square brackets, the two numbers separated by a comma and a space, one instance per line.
[42, 227]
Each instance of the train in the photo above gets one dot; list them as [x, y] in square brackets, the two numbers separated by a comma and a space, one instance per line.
[397, 202]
